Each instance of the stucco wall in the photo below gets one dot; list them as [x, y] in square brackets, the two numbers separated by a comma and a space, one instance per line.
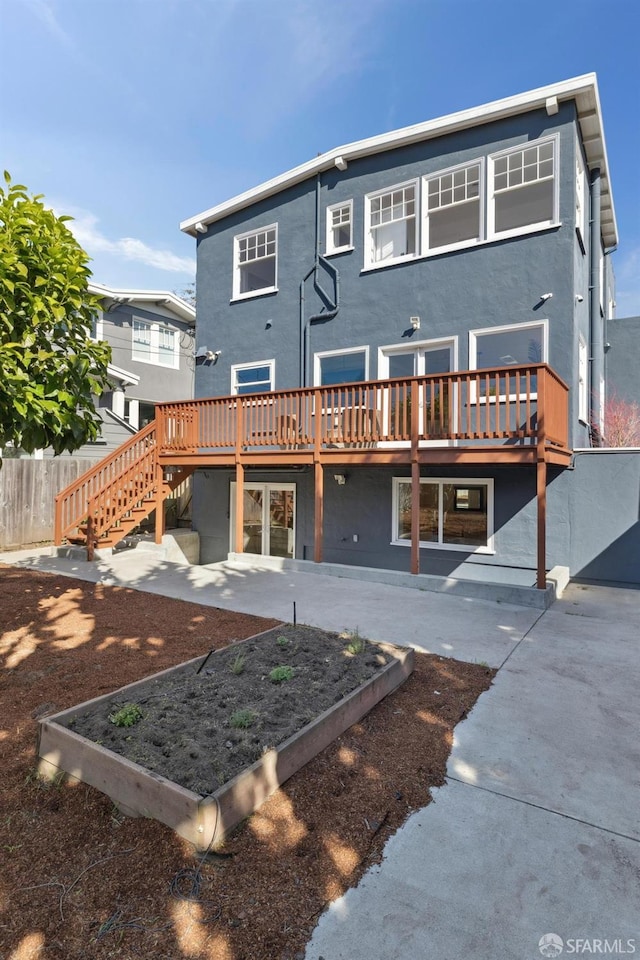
[157, 382]
[363, 506]
[604, 512]
[489, 285]
[623, 358]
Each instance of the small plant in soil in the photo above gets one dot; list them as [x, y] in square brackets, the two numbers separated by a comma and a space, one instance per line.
[237, 665]
[282, 641]
[356, 643]
[126, 716]
[281, 674]
[242, 719]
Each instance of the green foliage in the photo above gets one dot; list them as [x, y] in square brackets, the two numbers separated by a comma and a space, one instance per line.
[237, 666]
[126, 716]
[242, 719]
[356, 643]
[282, 641]
[281, 674]
[51, 369]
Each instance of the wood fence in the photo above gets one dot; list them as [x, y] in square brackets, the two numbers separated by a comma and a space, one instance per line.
[27, 492]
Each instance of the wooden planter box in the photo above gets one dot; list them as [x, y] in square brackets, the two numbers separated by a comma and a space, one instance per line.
[204, 821]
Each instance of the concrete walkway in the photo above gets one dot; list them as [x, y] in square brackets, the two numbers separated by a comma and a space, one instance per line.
[537, 830]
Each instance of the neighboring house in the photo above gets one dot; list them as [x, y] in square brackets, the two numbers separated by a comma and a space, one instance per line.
[401, 346]
[151, 335]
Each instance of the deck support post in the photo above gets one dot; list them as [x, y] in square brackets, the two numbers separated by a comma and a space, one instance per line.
[239, 531]
[415, 479]
[159, 503]
[319, 512]
[541, 490]
[541, 481]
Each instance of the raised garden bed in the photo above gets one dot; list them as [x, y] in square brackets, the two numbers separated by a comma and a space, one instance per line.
[201, 745]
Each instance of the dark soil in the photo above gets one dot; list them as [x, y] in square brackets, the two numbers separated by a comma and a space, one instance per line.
[78, 880]
[200, 729]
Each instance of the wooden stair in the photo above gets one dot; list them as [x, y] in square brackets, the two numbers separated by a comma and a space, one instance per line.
[112, 498]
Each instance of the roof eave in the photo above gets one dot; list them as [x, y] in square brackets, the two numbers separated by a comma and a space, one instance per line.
[583, 89]
[165, 298]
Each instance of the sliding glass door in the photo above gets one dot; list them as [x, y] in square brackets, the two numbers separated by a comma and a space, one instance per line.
[268, 519]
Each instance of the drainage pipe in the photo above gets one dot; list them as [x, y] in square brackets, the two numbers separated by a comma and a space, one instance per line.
[332, 304]
[596, 355]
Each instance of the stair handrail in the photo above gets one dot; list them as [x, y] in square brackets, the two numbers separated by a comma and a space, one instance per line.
[89, 484]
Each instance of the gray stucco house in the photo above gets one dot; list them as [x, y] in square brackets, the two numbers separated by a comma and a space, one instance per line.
[401, 355]
[151, 335]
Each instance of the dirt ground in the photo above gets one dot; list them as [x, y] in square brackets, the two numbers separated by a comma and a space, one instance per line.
[79, 880]
[201, 728]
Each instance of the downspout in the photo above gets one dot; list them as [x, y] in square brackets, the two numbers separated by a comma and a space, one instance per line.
[334, 305]
[596, 357]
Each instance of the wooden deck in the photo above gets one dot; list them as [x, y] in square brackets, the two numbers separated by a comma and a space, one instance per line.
[509, 415]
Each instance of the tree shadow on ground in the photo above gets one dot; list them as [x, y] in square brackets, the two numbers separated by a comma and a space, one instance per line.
[80, 880]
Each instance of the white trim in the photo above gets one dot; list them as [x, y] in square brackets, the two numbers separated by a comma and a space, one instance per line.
[369, 262]
[266, 488]
[154, 343]
[321, 354]
[583, 89]
[491, 232]
[330, 250]
[409, 347]
[122, 375]
[506, 328]
[249, 366]
[425, 249]
[237, 275]
[440, 544]
[163, 298]
[583, 381]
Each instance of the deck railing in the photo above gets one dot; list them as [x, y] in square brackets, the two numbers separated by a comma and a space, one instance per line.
[516, 404]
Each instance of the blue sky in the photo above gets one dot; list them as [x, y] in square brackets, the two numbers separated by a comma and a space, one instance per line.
[132, 115]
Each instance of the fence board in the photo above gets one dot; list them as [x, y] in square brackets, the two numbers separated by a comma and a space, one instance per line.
[27, 491]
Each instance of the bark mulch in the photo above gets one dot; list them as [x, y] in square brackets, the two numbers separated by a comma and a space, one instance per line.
[79, 880]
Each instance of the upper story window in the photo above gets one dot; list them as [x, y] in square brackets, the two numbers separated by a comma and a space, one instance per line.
[153, 343]
[255, 262]
[97, 326]
[453, 209]
[523, 189]
[252, 377]
[391, 225]
[339, 227]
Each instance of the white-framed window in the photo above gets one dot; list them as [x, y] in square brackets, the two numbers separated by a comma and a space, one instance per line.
[391, 224]
[97, 326]
[253, 377]
[453, 208]
[508, 345]
[154, 343]
[583, 381]
[269, 518]
[455, 514]
[523, 189]
[582, 218]
[341, 366]
[255, 262]
[339, 227]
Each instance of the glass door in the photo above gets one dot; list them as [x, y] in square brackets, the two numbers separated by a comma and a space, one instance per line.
[428, 357]
[268, 519]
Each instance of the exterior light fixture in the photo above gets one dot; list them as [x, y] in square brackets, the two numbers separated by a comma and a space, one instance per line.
[415, 322]
[546, 296]
[340, 479]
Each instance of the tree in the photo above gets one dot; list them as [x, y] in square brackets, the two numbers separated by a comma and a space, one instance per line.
[621, 422]
[50, 368]
[188, 294]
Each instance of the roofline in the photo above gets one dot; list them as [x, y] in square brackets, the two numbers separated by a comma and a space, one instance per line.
[163, 298]
[584, 90]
